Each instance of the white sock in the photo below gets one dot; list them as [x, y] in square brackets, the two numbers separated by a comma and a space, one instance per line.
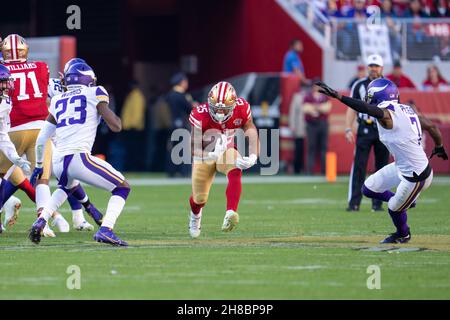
[56, 200]
[115, 206]
[43, 195]
[77, 216]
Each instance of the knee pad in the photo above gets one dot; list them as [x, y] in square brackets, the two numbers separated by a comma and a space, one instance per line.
[122, 191]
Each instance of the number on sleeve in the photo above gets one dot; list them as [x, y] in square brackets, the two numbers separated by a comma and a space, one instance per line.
[416, 128]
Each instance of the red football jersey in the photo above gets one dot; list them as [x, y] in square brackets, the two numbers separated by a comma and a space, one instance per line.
[201, 119]
[29, 99]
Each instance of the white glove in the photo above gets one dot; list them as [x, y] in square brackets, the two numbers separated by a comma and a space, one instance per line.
[246, 162]
[24, 165]
[220, 147]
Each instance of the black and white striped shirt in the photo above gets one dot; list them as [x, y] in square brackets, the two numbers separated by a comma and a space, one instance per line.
[358, 91]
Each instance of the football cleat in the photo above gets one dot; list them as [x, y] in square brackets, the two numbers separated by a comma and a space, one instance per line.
[377, 209]
[106, 235]
[95, 214]
[352, 208]
[12, 209]
[397, 238]
[36, 230]
[47, 232]
[61, 223]
[195, 224]
[83, 226]
[230, 221]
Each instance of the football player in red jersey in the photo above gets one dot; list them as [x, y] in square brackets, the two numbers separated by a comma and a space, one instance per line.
[29, 111]
[219, 118]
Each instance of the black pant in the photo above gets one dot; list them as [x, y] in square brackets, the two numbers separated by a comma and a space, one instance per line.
[317, 132]
[299, 158]
[367, 138]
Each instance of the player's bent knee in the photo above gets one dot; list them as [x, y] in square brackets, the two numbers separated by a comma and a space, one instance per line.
[122, 190]
[201, 198]
[366, 191]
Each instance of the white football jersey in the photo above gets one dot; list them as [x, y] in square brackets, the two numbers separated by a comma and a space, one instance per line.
[404, 140]
[5, 109]
[54, 87]
[77, 118]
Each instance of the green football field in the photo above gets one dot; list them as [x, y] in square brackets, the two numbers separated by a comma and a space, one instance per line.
[294, 241]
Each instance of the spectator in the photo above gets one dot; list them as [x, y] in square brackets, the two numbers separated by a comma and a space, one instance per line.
[133, 126]
[161, 124]
[316, 108]
[397, 76]
[387, 9]
[435, 81]
[332, 10]
[292, 62]
[415, 10]
[388, 15]
[180, 105]
[441, 9]
[360, 73]
[297, 125]
[358, 11]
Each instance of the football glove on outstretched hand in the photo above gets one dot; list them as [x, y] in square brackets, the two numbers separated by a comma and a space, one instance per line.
[37, 174]
[246, 162]
[23, 164]
[326, 90]
[439, 152]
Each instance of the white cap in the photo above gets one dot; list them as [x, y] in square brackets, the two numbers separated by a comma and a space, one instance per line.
[375, 59]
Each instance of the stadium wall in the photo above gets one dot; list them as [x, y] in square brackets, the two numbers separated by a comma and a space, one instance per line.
[247, 36]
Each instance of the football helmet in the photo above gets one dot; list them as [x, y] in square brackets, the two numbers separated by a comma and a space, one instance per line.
[6, 82]
[71, 62]
[79, 74]
[222, 101]
[14, 49]
[380, 90]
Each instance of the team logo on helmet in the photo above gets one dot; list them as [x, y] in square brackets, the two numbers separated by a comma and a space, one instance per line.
[14, 49]
[222, 101]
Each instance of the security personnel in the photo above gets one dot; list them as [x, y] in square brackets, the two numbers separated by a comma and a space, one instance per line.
[367, 137]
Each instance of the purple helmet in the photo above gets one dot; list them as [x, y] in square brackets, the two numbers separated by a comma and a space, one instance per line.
[380, 90]
[80, 74]
[72, 62]
[6, 81]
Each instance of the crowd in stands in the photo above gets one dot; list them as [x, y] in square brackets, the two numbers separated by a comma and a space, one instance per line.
[389, 8]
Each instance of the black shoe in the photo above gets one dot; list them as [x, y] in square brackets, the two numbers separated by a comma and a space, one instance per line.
[352, 208]
[397, 238]
[377, 209]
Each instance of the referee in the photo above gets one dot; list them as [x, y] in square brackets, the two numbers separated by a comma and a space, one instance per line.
[366, 138]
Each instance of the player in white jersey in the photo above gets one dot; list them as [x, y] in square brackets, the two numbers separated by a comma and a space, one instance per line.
[400, 130]
[78, 198]
[6, 146]
[74, 117]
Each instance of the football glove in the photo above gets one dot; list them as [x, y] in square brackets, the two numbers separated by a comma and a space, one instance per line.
[23, 164]
[220, 147]
[326, 90]
[246, 162]
[37, 174]
[439, 152]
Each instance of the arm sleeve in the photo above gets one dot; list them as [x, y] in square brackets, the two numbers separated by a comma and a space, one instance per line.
[46, 132]
[363, 107]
